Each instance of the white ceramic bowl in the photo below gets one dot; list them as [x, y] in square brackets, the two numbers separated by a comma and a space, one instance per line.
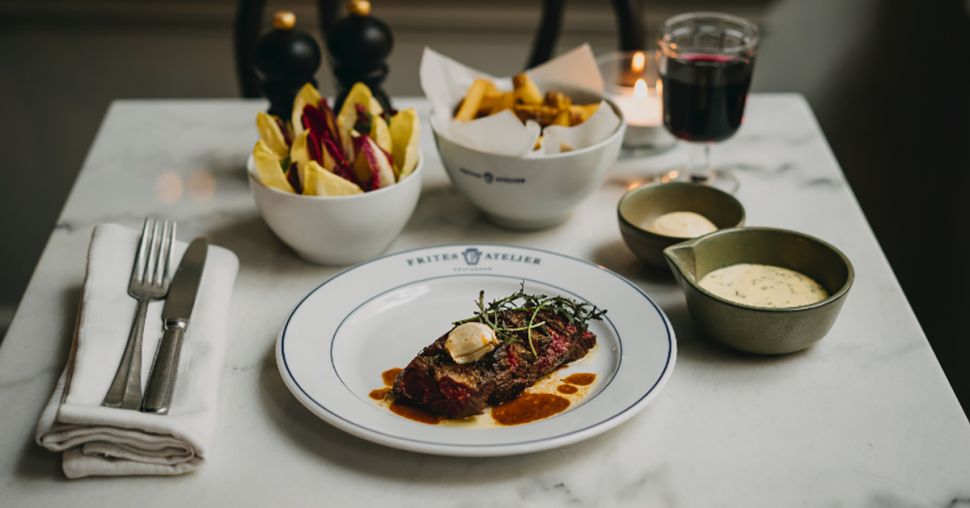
[528, 193]
[338, 230]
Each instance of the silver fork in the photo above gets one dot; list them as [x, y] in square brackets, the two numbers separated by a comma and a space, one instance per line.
[150, 277]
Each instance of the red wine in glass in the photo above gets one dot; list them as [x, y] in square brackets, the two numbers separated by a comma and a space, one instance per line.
[706, 60]
[704, 95]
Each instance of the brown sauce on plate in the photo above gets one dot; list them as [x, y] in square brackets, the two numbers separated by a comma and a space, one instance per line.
[581, 379]
[529, 407]
[379, 394]
[567, 389]
[389, 375]
[404, 410]
[413, 413]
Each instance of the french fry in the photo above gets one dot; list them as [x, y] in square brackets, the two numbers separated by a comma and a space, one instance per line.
[544, 115]
[526, 91]
[488, 102]
[490, 89]
[505, 101]
[525, 100]
[579, 113]
[557, 100]
[473, 100]
[562, 118]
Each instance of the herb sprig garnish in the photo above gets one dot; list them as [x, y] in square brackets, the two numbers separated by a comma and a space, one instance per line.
[578, 314]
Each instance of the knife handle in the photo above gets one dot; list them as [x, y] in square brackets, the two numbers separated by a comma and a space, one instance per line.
[161, 381]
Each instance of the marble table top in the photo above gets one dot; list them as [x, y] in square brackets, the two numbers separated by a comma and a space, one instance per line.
[863, 418]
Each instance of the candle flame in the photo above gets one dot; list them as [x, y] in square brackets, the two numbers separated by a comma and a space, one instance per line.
[640, 89]
[638, 62]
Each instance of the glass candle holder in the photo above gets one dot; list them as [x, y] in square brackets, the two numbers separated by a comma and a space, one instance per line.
[632, 82]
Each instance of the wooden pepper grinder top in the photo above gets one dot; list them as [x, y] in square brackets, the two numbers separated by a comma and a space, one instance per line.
[359, 44]
[287, 59]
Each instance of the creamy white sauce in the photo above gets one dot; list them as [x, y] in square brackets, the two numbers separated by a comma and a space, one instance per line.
[763, 286]
[681, 225]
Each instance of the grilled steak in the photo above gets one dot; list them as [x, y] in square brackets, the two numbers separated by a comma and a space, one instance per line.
[559, 334]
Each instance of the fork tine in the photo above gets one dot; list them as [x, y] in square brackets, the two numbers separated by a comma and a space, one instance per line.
[152, 263]
[137, 271]
[168, 257]
[161, 274]
[162, 250]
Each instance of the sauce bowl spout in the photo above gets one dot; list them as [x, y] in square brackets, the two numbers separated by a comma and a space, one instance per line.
[682, 260]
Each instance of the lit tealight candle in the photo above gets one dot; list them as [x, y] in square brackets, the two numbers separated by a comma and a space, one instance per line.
[640, 107]
[639, 95]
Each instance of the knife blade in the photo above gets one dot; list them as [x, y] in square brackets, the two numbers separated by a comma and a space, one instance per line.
[175, 317]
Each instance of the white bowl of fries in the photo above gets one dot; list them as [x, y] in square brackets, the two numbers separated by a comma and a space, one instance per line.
[529, 149]
[530, 192]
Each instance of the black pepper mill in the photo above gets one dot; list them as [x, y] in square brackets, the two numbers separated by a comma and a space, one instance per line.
[359, 44]
[286, 59]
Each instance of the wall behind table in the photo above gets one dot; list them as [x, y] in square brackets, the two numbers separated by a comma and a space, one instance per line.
[889, 99]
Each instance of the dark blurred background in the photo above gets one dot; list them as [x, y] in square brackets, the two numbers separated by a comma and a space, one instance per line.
[887, 79]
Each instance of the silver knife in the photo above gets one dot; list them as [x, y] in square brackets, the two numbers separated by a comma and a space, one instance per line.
[175, 316]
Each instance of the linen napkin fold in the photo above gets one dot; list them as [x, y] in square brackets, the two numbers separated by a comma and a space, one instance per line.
[102, 441]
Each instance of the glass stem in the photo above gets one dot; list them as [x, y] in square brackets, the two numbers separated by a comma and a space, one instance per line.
[700, 169]
[707, 169]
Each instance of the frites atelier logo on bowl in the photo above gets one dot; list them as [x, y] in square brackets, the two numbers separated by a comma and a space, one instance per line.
[471, 257]
[488, 177]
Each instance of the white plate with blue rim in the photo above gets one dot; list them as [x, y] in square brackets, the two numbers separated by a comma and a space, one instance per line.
[378, 315]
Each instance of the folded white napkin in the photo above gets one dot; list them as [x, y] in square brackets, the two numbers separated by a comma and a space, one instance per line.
[99, 440]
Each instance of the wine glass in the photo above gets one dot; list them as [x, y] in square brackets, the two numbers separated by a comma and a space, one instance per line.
[706, 60]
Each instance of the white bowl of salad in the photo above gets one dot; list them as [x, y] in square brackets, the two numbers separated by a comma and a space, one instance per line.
[337, 188]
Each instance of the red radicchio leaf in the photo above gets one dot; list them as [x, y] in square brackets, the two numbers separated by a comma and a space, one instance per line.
[319, 137]
[313, 120]
[344, 173]
[364, 147]
[314, 148]
[330, 122]
[342, 167]
[334, 150]
[294, 179]
[324, 135]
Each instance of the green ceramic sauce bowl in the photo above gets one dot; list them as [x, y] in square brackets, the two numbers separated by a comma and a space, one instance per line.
[643, 205]
[759, 329]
